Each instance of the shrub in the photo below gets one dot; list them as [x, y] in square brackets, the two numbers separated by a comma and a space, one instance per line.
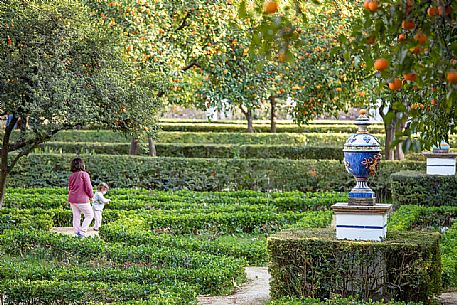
[333, 301]
[210, 127]
[45, 170]
[25, 219]
[78, 292]
[187, 150]
[308, 139]
[412, 187]
[312, 263]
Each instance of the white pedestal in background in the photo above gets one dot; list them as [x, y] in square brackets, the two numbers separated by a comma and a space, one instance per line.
[440, 164]
[361, 222]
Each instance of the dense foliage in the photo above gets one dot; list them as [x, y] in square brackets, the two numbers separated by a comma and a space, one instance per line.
[60, 69]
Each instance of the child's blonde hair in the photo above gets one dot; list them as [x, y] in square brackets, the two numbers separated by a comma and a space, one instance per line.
[102, 185]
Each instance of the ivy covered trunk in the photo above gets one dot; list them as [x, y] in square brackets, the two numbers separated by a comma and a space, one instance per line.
[274, 114]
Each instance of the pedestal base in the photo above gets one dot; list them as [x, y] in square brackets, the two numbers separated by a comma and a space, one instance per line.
[440, 164]
[361, 222]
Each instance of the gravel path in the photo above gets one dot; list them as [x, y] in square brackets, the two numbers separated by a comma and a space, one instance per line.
[69, 231]
[254, 292]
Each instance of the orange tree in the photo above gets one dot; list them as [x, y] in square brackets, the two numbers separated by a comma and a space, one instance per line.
[415, 43]
[58, 70]
[280, 50]
[411, 45]
[168, 40]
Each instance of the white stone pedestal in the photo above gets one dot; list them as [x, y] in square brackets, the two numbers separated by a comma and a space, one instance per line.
[361, 222]
[440, 164]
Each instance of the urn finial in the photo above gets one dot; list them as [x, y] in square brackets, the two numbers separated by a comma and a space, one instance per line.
[361, 158]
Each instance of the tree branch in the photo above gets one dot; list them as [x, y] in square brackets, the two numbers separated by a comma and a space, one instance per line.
[24, 152]
[244, 111]
[192, 64]
[183, 22]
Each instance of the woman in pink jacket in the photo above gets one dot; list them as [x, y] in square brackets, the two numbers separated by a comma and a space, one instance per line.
[80, 193]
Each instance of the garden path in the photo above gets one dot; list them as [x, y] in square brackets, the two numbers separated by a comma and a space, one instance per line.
[69, 231]
[254, 292]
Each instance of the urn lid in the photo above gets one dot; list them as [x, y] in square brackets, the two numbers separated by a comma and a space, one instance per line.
[362, 140]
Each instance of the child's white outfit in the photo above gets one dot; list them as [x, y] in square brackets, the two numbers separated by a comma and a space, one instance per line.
[98, 205]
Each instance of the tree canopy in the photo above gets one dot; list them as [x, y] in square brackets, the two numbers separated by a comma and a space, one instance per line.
[60, 68]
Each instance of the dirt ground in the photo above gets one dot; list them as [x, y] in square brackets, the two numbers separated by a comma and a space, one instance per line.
[69, 231]
[254, 292]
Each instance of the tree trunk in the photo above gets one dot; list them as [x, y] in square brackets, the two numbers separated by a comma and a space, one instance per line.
[134, 147]
[3, 176]
[399, 154]
[248, 114]
[4, 170]
[249, 118]
[273, 114]
[152, 147]
[390, 135]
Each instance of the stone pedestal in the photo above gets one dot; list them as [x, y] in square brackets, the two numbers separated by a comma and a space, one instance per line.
[361, 222]
[441, 163]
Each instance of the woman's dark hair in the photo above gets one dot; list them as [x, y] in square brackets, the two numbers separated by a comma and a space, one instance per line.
[77, 164]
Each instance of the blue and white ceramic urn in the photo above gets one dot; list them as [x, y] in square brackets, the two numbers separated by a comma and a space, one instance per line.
[361, 159]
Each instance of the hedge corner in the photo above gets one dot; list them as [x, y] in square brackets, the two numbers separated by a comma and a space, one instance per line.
[313, 263]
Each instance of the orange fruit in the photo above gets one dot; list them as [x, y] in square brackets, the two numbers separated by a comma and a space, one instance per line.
[366, 4]
[371, 40]
[401, 37]
[434, 102]
[373, 6]
[420, 37]
[408, 24]
[444, 11]
[282, 56]
[416, 50]
[410, 76]
[395, 84]
[270, 7]
[381, 64]
[432, 11]
[452, 76]
[414, 106]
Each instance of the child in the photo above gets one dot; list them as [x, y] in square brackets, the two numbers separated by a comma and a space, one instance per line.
[99, 204]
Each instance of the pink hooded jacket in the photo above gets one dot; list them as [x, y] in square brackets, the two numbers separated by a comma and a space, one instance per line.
[79, 188]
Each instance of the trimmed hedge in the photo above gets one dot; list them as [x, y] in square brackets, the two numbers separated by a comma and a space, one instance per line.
[412, 187]
[79, 292]
[187, 150]
[309, 139]
[322, 128]
[259, 122]
[35, 219]
[127, 200]
[333, 301]
[50, 170]
[312, 263]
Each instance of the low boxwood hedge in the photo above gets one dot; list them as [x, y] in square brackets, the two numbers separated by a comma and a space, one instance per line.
[188, 150]
[81, 292]
[308, 139]
[209, 127]
[334, 301]
[313, 263]
[51, 170]
[412, 187]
